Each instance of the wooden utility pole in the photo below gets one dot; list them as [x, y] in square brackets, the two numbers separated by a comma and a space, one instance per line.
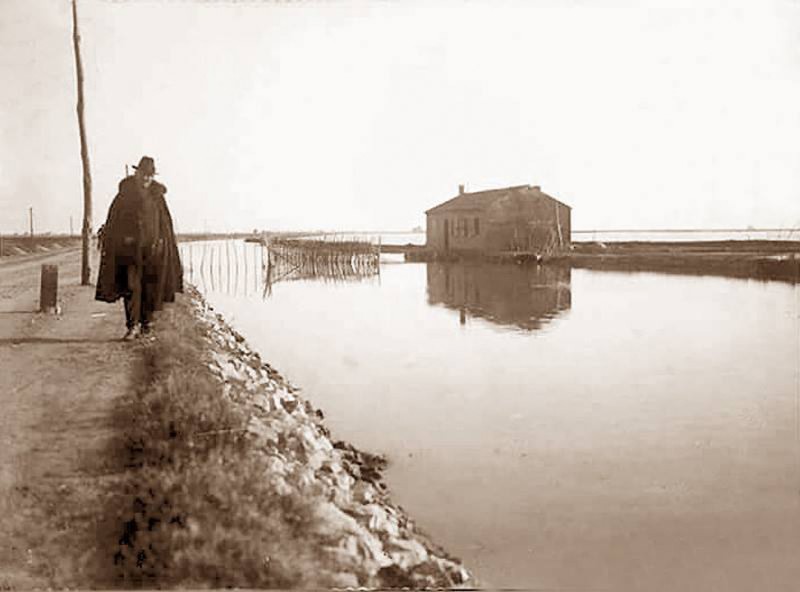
[30, 217]
[87, 175]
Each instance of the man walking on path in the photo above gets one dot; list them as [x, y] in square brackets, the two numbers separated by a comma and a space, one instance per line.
[139, 254]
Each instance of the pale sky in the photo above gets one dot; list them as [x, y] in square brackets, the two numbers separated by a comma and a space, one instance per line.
[362, 115]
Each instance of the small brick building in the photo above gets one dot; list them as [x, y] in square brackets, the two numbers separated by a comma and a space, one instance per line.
[520, 219]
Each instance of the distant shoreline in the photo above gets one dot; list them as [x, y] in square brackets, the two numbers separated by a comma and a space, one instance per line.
[199, 235]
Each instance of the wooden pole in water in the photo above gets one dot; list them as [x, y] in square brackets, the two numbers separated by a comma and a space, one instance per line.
[235, 246]
[246, 270]
[265, 270]
[228, 264]
[203, 258]
[233, 267]
[211, 267]
[211, 272]
[236, 263]
[87, 175]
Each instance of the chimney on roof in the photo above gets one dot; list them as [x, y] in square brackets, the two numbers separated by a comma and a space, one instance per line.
[461, 190]
[536, 188]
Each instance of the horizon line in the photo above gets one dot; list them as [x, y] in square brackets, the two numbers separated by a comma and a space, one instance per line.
[412, 231]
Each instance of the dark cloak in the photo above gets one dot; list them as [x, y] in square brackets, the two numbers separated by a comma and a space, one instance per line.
[139, 231]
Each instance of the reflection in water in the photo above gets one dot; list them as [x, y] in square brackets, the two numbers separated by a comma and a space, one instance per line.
[524, 296]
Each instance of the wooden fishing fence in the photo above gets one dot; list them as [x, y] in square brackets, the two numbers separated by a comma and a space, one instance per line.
[234, 266]
[327, 260]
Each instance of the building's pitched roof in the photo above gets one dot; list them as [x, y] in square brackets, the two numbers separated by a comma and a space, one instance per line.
[481, 200]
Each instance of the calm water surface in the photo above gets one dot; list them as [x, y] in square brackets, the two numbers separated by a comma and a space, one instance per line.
[555, 429]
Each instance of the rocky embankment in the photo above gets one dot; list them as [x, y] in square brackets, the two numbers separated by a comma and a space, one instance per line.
[365, 539]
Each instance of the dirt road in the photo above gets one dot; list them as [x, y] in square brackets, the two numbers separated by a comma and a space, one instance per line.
[59, 378]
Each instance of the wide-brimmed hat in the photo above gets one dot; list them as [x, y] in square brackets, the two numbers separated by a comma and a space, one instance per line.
[147, 164]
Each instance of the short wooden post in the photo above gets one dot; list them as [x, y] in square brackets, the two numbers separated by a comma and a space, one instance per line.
[48, 296]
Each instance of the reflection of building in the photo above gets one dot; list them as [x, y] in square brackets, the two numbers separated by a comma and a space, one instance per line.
[520, 295]
[512, 219]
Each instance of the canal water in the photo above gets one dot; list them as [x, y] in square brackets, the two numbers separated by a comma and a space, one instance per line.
[555, 429]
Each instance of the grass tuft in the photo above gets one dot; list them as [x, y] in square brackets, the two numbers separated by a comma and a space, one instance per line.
[193, 505]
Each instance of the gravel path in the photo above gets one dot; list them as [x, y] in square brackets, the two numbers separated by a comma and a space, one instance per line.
[60, 377]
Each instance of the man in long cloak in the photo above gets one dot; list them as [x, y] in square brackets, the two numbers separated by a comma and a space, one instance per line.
[139, 254]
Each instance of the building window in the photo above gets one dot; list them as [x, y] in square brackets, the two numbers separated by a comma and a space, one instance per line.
[477, 226]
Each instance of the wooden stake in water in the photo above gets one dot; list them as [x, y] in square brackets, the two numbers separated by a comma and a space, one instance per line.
[211, 268]
[236, 263]
[246, 269]
[261, 276]
[228, 264]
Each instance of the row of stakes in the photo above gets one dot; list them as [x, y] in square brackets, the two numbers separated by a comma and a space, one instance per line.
[284, 260]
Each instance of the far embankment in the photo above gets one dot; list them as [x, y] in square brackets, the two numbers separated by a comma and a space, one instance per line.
[205, 236]
[756, 259]
[26, 245]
